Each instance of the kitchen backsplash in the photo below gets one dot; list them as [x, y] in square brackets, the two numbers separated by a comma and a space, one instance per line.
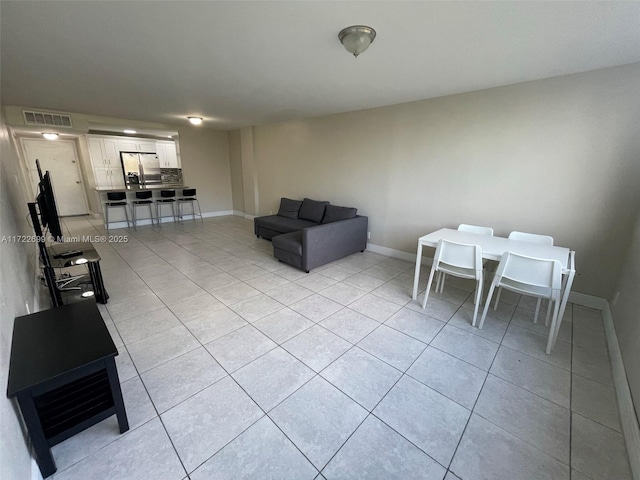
[171, 175]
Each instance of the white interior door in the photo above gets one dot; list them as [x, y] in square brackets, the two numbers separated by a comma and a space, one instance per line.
[58, 157]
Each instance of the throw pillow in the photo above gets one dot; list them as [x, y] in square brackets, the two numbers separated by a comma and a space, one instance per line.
[289, 208]
[334, 213]
[312, 210]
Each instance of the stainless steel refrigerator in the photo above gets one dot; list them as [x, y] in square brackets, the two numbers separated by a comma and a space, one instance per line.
[141, 168]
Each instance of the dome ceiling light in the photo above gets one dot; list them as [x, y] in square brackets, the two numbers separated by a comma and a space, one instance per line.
[357, 38]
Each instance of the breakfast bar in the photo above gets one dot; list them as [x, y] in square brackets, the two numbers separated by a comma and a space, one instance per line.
[131, 193]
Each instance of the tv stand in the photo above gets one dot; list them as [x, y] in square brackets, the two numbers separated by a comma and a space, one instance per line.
[63, 373]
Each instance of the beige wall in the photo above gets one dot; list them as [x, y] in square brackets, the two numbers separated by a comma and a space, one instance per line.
[559, 156]
[626, 313]
[235, 161]
[204, 154]
[17, 277]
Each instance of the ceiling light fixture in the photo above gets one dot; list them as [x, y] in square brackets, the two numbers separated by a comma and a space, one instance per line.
[50, 136]
[129, 130]
[357, 38]
[195, 120]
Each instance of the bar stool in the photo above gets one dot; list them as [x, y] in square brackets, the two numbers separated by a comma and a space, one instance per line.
[115, 200]
[142, 199]
[167, 197]
[189, 197]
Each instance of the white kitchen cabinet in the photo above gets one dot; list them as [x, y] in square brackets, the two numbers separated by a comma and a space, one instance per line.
[104, 152]
[167, 154]
[105, 159]
[137, 145]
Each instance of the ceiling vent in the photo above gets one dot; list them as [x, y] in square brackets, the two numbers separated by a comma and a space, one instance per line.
[47, 118]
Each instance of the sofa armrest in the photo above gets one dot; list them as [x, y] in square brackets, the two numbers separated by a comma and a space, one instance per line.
[327, 242]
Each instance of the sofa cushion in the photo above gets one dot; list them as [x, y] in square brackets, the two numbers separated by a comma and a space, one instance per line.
[289, 208]
[280, 224]
[312, 210]
[289, 242]
[334, 213]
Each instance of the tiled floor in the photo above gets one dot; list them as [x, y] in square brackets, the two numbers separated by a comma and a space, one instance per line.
[235, 366]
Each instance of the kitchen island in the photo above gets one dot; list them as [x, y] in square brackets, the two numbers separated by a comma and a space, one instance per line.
[116, 216]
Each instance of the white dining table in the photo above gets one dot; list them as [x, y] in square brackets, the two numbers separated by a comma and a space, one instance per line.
[494, 247]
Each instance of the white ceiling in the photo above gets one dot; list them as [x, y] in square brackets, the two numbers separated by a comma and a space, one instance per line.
[241, 63]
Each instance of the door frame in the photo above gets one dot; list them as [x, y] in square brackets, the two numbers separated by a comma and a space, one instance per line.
[71, 141]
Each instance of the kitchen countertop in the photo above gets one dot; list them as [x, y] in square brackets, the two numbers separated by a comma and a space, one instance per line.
[136, 188]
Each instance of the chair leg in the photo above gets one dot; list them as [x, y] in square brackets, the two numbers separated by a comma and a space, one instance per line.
[426, 293]
[477, 299]
[173, 209]
[133, 216]
[487, 303]
[199, 211]
[546, 320]
[126, 215]
[495, 305]
[535, 316]
[555, 327]
[150, 213]
[106, 217]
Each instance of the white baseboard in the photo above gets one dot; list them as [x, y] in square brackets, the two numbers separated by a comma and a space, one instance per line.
[147, 221]
[628, 418]
[588, 301]
[248, 217]
[391, 252]
[221, 213]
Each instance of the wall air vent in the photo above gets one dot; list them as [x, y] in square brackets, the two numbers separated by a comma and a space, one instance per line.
[47, 118]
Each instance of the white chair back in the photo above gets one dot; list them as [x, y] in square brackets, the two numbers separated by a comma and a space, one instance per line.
[463, 227]
[528, 275]
[459, 259]
[532, 238]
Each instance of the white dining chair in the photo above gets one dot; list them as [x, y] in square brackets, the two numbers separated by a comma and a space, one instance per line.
[536, 277]
[532, 238]
[463, 227]
[460, 260]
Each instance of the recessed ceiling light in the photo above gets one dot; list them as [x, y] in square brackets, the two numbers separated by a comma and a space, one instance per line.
[128, 130]
[195, 120]
[50, 136]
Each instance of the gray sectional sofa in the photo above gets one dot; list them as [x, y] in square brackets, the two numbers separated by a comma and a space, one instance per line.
[309, 233]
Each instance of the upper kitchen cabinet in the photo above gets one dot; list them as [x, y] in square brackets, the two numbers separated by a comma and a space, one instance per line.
[137, 145]
[105, 159]
[167, 154]
[104, 152]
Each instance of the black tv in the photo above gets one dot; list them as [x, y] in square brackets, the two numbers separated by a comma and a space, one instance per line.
[48, 209]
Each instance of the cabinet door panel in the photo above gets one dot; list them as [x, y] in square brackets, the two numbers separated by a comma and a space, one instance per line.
[117, 178]
[146, 146]
[103, 179]
[168, 155]
[111, 152]
[127, 146]
[96, 152]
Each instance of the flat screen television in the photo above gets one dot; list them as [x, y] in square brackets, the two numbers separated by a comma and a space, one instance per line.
[48, 209]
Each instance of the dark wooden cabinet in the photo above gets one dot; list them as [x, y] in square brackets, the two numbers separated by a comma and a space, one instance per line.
[62, 372]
